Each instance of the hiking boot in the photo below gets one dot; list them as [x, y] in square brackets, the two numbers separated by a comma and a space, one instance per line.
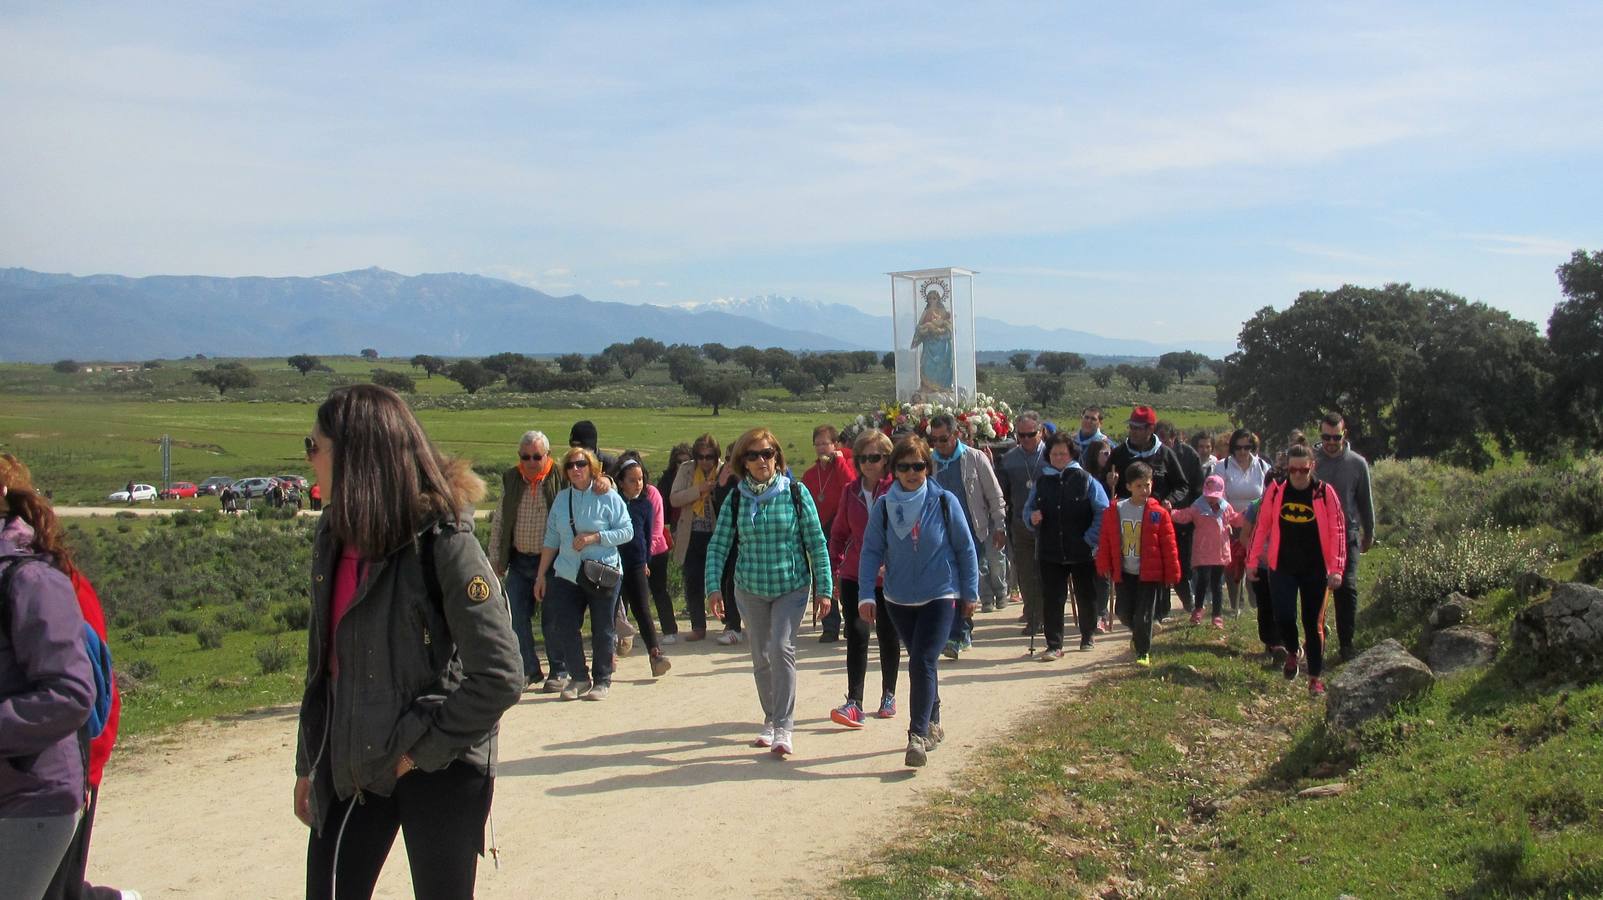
[626, 645]
[887, 706]
[936, 735]
[729, 638]
[1196, 616]
[986, 606]
[598, 692]
[697, 634]
[829, 637]
[669, 639]
[1086, 643]
[917, 752]
[554, 684]
[660, 666]
[849, 714]
[1219, 622]
[1316, 687]
[1290, 668]
[1347, 653]
[1144, 661]
[1050, 654]
[784, 743]
[575, 690]
[765, 738]
[951, 650]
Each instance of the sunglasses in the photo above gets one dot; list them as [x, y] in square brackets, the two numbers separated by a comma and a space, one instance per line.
[311, 447]
[765, 453]
[1244, 447]
[707, 457]
[575, 465]
[1299, 470]
[942, 438]
[871, 458]
[1329, 438]
[531, 457]
[911, 467]
[1028, 434]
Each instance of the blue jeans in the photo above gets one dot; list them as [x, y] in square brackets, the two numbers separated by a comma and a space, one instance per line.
[923, 630]
[521, 569]
[568, 604]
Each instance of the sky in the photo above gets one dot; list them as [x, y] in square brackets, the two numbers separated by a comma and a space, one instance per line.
[1162, 172]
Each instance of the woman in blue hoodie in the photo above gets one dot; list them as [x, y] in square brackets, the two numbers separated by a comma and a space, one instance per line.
[918, 531]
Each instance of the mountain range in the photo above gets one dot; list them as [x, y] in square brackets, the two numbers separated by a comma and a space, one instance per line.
[113, 317]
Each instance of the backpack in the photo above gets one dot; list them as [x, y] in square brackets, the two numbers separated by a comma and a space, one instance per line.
[795, 501]
[946, 514]
[99, 656]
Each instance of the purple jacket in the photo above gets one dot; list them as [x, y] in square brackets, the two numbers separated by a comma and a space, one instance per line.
[46, 686]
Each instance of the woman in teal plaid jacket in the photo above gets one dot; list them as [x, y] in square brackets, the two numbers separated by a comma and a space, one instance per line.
[782, 556]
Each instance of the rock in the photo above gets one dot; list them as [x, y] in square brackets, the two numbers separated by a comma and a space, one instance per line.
[1590, 569]
[1323, 790]
[1379, 679]
[1452, 611]
[1528, 585]
[1564, 633]
[1460, 647]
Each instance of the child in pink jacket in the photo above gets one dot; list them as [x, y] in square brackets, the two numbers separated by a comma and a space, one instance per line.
[1213, 517]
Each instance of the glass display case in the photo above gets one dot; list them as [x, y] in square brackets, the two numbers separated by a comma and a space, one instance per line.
[933, 311]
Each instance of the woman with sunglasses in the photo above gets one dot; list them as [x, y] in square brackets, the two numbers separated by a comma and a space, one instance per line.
[1245, 474]
[1305, 544]
[872, 454]
[583, 526]
[918, 531]
[411, 659]
[782, 555]
[692, 496]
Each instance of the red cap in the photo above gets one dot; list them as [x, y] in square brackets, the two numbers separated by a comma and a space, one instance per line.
[1143, 415]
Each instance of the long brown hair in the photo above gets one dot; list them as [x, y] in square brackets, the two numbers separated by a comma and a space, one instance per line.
[25, 503]
[389, 480]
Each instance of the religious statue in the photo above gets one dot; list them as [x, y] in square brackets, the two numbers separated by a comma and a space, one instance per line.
[933, 338]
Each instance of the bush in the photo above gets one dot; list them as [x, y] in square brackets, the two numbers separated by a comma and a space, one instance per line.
[1472, 561]
[66, 366]
[1579, 496]
[152, 627]
[192, 518]
[295, 616]
[210, 637]
[139, 669]
[237, 618]
[182, 624]
[273, 657]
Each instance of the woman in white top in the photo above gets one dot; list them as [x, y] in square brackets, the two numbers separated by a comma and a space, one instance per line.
[1245, 474]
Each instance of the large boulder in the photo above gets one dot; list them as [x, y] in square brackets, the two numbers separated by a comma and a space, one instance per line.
[1565, 632]
[1452, 611]
[1530, 584]
[1460, 647]
[1379, 679]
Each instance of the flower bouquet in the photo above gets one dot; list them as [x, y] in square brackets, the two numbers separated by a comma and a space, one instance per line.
[987, 420]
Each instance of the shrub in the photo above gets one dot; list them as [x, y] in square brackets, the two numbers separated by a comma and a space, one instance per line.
[295, 616]
[1579, 497]
[209, 637]
[237, 618]
[152, 627]
[182, 624]
[66, 366]
[273, 657]
[139, 669]
[192, 518]
[1472, 561]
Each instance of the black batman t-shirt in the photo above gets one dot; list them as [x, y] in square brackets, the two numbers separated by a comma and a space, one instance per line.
[1300, 552]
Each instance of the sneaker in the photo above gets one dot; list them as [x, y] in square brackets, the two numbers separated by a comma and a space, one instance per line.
[626, 645]
[1219, 622]
[1144, 661]
[986, 606]
[829, 637]
[1086, 643]
[1316, 687]
[917, 752]
[1101, 626]
[849, 714]
[951, 650]
[1196, 616]
[730, 637]
[937, 734]
[1050, 654]
[669, 639]
[967, 643]
[130, 895]
[697, 634]
[1277, 653]
[554, 684]
[660, 666]
[783, 743]
[887, 706]
[575, 690]
[1347, 653]
[598, 692]
[1290, 668]
[765, 738]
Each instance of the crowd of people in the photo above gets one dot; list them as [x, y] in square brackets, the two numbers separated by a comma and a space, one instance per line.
[420, 640]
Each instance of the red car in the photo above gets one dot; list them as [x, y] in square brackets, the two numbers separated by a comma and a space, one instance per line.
[180, 490]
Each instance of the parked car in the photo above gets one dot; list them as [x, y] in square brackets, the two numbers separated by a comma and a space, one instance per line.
[141, 492]
[250, 488]
[293, 481]
[214, 485]
[180, 490]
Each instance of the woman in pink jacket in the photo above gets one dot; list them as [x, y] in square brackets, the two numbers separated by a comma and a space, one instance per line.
[1210, 545]
[1306, 546]
[872, 452]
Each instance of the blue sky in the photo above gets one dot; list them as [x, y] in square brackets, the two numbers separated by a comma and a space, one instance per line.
[1163, 172]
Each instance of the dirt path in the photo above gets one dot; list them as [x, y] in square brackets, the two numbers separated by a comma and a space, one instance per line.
[654, 792]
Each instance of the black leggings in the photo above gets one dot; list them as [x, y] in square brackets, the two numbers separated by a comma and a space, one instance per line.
[1055, 579]
[636, 592]
[695, 575]
[440, 814]
[890, 646]
[658, 581]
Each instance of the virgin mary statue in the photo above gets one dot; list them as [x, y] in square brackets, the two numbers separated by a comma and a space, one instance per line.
[933, 337]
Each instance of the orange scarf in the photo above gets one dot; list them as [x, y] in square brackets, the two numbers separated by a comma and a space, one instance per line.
[534, 483]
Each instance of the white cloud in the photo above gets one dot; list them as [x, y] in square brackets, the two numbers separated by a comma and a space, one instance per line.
[625, 282]
[1526, 244]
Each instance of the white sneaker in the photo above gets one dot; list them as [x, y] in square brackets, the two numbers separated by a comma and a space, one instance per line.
[783, 745]
[669, 639]
[130, 895]
[765, 738]
[729, 637]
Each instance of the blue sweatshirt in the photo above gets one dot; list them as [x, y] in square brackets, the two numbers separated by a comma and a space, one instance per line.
[940, 563]
[636, 552]
[604, 514]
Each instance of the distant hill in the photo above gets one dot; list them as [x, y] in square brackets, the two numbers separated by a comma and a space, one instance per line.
[991, 334]
[52, 316]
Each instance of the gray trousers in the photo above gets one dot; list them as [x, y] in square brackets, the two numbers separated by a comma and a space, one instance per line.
[993, 575]
[30, 851]
[1029, 574]
[771, 626]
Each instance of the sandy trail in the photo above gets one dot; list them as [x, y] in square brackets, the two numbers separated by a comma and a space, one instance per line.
[654, 792]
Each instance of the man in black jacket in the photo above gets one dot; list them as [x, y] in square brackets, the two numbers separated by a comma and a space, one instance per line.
[1191, 466]
[1169, 484]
